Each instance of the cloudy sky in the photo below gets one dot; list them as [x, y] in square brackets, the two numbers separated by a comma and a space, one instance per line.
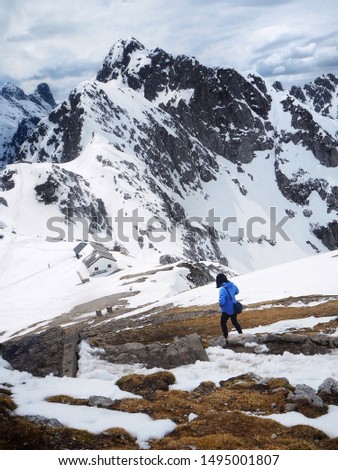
[63, 42]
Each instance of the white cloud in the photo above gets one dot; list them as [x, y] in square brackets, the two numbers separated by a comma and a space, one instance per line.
[278, 70]
[304, 51]
[65, 42]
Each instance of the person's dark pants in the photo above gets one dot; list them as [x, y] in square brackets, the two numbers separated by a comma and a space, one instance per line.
[224, 318]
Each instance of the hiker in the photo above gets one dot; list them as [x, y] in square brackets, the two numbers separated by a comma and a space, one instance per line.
[227, 293]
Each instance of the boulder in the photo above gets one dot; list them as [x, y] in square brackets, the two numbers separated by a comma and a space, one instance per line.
[306, 401]
[328, 391]
[40, 354]
[181, 351]
[53, 351]
[279, 343]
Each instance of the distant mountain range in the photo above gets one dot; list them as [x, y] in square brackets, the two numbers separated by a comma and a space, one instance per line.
[234, 170]
[19, 114]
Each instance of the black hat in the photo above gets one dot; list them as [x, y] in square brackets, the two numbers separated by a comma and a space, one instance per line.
[220, 278]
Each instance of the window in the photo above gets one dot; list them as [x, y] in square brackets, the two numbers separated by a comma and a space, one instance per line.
[109, 265]
[96, 268]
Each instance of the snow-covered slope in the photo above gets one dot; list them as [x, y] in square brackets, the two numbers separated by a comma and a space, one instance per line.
[19, 114]
[39, 283]
[165, 159]
[179, 170]
[98, 377]
[313, 275]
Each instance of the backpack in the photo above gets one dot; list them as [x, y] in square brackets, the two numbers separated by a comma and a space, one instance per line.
[238, 307]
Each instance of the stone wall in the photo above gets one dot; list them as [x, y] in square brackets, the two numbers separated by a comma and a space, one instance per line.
[53, 351]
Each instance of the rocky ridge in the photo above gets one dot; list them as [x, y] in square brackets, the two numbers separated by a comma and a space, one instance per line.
[169, 133]
[19, 115]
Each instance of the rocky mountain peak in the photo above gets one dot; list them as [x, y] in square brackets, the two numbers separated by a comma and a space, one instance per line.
[167, 131]
[150, 70]
[321, 94]
[124, 54]
[43, 93]
[157, 74]
[9, 91]
[19, 114]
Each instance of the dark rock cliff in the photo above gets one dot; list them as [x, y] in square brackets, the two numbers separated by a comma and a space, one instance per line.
[22, 113]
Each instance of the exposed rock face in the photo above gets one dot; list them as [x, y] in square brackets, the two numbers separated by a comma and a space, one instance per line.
[280, 343]
[52, 352]
[310, 134]
[199, 274]
[328, 235]
[20, 113]
[298, 190]
[7, 180]
[66, 121]
[304, 393]
[162, 129]
[43, 92]
[38, 354]
[321, 94]
[224, 110]
[328, 391]
[72, 194]
[52, 422]
[223, 114]
[55, 352]
[185, 350]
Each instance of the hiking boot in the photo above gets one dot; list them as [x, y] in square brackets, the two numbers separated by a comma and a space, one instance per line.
[226, 344]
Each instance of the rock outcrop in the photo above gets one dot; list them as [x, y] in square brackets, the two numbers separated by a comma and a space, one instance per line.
[53, 351]
[19, 114]
[182, 351]
[175, 136]
[280, 343]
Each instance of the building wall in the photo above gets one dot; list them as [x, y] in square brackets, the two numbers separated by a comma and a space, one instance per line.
[102, 265]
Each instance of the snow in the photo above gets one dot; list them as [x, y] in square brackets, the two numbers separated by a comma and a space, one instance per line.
[39, 281]
[46, 276]
[30, 393]
[324, 423]
[98, 377]
[124, 181]
[291, 325]
[312, 276]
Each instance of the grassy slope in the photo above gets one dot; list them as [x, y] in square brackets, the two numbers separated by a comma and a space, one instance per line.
[224, 420]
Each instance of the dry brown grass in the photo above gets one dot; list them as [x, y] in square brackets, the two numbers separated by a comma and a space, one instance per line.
[205, 321]
[236, 430]
[66, 400]
[17, 432]
[6, 403]
[146, 385]
[227, 415]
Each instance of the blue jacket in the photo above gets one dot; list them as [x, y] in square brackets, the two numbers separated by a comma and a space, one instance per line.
[226, 300]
